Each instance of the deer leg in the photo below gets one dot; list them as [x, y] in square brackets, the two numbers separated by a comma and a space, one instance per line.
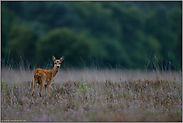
[48, 90]
[43, 79]
[45, 90]
[34, 84]
[41, 87]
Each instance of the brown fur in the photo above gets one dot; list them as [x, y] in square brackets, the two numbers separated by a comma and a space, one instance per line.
[45, 77]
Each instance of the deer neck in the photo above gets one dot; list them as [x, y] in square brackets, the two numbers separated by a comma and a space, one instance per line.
[54, 70]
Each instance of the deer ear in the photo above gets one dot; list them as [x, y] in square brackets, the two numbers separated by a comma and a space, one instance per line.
[53, 58]
[62, 58]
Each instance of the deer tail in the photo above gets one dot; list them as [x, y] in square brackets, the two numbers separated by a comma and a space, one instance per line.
[37, 74]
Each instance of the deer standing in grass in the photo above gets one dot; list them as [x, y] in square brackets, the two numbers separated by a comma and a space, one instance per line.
[45, 77]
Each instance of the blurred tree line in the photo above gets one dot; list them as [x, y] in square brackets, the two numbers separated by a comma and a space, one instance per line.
[104, 34]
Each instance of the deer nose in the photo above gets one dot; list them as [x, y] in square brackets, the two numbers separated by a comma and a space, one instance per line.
[57, 66]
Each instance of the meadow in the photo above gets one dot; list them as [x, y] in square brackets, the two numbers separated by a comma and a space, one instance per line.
[93, 95]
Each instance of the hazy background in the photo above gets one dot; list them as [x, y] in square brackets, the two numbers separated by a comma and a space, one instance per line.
[127, 35]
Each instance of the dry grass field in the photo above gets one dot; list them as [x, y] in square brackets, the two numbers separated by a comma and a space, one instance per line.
[93, 95]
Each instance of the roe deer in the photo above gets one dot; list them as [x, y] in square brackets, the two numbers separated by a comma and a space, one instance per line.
[45, 77]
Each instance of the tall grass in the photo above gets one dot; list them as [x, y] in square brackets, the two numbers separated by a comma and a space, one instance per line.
[93, 95]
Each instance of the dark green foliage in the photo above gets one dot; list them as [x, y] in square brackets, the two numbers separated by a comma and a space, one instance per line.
[126, 34]
[65, 42]
[22, 42]
[6, 24]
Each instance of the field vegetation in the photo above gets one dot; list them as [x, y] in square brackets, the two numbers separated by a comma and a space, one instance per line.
[93, 95]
